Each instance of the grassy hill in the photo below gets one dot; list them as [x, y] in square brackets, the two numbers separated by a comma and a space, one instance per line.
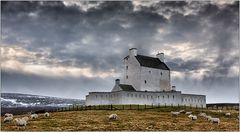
[152, 119]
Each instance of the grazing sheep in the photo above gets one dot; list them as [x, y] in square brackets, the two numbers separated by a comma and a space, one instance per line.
[175, 113]
[208, 118]
[193, 117]
[228, 114]
[113, 117]
[8, 119]
[188, 113]
[20, 122]
[34, 116]
[181, 111]
[215, 120]
[220, 111]
[203, 114]
[8, 115]
[25, 118]
[46, 114]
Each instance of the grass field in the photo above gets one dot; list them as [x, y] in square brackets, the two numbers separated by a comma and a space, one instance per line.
[135, 120]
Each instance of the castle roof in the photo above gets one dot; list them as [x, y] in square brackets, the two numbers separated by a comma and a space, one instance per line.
[151, 62]
[126, 87]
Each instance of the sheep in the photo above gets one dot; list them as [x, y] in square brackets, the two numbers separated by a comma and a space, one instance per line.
[220, 111]
[175, 113]
[8, 115]
[25, 118]
[113, 117]
[203, 114]
[181, 111]
[193, 117]
[188, 113]
[20, 122]
[214, 120]
[34, 116]
[208, 118]
[8, 119]
[46, 114]
[228, 114]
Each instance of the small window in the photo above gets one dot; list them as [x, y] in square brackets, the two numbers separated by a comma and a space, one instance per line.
[145, 82]
[161, 73]
[96, 96]
[127, 77]
[173, 96]
[126, 67]
[149, 72]
[163, 97]
[139, 95]
[143, 96]
[158, 97]
[168, 96]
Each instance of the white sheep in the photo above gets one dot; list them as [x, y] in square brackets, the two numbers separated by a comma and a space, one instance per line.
[214, 120]
[175, 113]
[46, 114]
[113, 117]
[203, 114]
[25, 118]
[188, 113]
[8, 115]
[220, 111]
[193, 117]
[208, 117]
[182, 111]
[20, 122]
[34, 116]
[8, 119]
[228, 114]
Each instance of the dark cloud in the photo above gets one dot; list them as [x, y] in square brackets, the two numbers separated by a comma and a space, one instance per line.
[100, 36]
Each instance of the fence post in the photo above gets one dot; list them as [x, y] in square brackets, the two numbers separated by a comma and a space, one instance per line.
[130, 107]
[145, 107]
[111, 106]
[123, 107]
[165, 105]
[138, 106]
[158, 105]
[152, 105]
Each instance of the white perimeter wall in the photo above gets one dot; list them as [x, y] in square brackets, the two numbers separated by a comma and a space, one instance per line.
[148, 98]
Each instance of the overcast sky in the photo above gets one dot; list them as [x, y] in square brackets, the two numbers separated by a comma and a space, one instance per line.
[70, 48]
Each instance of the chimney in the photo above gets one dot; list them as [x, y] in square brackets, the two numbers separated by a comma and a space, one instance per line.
[133, 52]
[173, 88]
[117, 81]
[160, 56]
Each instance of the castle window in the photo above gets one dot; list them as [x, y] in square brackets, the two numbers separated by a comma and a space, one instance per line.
[131, 95]
[143, 96]
[139, 95]
[136, 95]
[151, 96]
[161, 73]
[158, 97]
[127, 95]
[126, 67]
[145, 82]
[168, 96]
[173, 96]
[163, 97]
[127, 77]
[147, 96]
[96, 96]
[149, 72]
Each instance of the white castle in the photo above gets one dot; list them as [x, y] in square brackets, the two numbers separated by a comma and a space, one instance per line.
[146, 81]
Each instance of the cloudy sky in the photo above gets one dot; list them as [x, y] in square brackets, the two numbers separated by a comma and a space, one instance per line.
[69, 48]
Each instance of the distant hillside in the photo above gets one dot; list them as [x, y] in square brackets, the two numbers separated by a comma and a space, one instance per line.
[25, 100]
